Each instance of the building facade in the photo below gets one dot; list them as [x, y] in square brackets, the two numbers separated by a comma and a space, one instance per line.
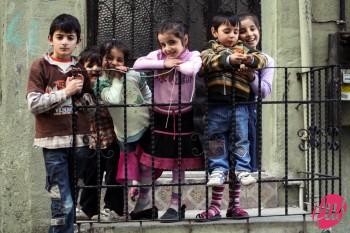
[295, 34]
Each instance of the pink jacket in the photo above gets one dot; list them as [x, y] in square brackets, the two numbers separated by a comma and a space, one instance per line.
[166, 89]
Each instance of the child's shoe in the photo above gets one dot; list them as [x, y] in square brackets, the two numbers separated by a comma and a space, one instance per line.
[80, 215]
[236, 213]
[146, 214]
[172, 215]
[245, 178]
[213, 214]
[216, 178]
[133, 193]
[107, 215]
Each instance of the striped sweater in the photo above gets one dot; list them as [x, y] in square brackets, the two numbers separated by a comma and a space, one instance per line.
[224, 78]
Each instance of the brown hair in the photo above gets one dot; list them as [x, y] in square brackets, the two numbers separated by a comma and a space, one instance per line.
[251, 16]
[176, 28]
[224, 18]
[66, 23]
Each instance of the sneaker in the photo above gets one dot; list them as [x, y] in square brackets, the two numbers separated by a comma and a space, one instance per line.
[80, 215]
[216, 178]
[236, 213]
[245, 178]
[107, 215]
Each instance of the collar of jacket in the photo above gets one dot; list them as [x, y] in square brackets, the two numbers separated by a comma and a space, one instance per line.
[217, 47]
[183, 56]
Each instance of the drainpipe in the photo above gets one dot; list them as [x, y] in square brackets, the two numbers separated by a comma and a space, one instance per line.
[305, 27]
[342, 19]
[305, 33]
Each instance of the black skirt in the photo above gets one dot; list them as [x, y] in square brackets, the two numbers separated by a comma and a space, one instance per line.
[175, 145]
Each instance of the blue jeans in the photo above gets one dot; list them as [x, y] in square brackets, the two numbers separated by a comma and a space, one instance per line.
[253, 137]
[60, 185]
[219, 130]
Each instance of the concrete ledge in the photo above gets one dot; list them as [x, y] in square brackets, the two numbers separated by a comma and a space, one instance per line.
[194, 196]
[295, 222]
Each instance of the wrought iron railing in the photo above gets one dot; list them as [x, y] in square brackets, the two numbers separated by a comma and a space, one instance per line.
[318, 106]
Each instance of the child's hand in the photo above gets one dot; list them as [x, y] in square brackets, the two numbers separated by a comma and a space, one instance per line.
[248, 59]
[119, 71]
[171, 62]
[242, 67]
[236, 58]
[249, 73]
[79, 76]
[74, 85]
[93, 73]
[124, 69]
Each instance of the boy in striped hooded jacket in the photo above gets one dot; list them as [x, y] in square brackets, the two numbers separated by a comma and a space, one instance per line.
[228, 67]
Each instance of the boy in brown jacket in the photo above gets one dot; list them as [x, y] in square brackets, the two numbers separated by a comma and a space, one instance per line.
[54, 83]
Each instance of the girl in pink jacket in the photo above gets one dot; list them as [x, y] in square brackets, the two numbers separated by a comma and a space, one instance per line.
[176, 147]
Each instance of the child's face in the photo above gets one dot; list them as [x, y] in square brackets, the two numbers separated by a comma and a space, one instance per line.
[112, 60]
[63, 44]
[93, 70]
[226, 34]
[249, 33]
[171, 45]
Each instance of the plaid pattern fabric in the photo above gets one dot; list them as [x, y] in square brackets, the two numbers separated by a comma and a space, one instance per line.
[106, 130]
[62, 141]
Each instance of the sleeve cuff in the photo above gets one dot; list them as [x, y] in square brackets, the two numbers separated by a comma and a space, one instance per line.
[61, 95]
[228, 60]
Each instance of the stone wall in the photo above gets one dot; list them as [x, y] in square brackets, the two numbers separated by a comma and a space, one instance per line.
[284, 40]
[25, 25]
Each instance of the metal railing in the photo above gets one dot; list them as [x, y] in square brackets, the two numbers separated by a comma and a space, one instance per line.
[317, 104]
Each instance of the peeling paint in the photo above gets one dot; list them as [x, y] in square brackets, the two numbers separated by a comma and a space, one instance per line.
[12, 36]
[33, 39]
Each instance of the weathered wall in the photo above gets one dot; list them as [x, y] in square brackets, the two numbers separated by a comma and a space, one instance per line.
[281, 39]
[1, 153]
[320, 40]
[24, 29]
[285, 35]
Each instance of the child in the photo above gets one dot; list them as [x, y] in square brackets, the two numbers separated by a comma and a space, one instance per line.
[227, 83]
[91, 59]
[53, 85]
[111, 86]
[173, 54]
[249, 33]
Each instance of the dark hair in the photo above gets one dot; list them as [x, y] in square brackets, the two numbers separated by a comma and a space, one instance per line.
[107, 46]
[224, 18]
[174, 27]
[253, 17]
[91, 55]
[66, 23]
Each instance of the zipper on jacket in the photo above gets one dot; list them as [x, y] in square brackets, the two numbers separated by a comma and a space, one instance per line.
[224, 85]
